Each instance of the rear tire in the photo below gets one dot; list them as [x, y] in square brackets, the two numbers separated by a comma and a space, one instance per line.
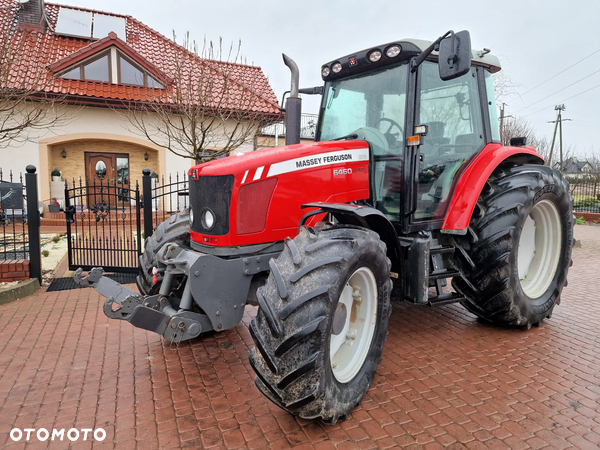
[517, 252]
[319, 341]
[176, 229]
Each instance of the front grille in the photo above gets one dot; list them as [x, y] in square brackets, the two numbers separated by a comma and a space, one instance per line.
[213, 193]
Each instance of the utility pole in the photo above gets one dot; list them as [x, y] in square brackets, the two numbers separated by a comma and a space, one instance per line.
[558, 126]
[503, 139]
[502, 123]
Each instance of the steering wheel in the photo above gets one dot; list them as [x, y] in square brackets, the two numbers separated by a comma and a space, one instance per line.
[393, 139]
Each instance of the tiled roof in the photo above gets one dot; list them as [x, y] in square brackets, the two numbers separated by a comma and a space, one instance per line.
[44, 52]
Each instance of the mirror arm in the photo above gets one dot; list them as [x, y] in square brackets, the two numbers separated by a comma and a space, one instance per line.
[435, 45]
[317, 90]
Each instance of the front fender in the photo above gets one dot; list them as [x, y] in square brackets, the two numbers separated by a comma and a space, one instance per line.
[469, 186]
[363, 216]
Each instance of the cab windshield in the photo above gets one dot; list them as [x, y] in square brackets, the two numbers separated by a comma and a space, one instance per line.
[375, 100]
[372, 105]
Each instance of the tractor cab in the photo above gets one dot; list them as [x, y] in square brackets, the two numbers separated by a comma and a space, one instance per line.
[421, 129]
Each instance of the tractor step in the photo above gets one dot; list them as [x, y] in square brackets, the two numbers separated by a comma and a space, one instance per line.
[443, 274]
[428, 264]
[446, 299]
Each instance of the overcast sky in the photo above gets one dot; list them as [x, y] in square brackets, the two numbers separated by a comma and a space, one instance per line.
[535, 40]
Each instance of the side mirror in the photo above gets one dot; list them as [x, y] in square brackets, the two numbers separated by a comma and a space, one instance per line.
[455, 55]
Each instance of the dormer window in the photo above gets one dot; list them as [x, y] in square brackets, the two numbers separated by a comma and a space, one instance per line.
[112, 66]
[129, 73]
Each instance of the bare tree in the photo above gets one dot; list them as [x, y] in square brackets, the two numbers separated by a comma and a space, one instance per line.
[25, 106]
[207, 111]
[518, 126]
[504, 87]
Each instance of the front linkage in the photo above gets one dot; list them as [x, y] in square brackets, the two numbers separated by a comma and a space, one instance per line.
[220, 289]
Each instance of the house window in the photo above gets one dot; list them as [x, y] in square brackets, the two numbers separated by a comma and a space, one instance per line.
[129, 74]
[97, 70]
[122, 170]
[101, 170]
[102, 68]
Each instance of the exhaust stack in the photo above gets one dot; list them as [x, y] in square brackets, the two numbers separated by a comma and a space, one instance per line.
[293, 105]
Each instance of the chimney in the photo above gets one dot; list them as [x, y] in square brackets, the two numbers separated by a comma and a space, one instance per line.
[31, 15]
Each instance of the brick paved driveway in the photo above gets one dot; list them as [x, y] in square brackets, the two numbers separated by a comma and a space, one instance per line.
[446, 379]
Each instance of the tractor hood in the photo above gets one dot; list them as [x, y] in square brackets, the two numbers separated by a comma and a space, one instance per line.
[258, 197]
[264, 159]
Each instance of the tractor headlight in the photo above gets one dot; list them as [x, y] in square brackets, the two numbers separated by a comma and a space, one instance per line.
[191, 216]
[393, 51]
[207, 219]
[375, 56]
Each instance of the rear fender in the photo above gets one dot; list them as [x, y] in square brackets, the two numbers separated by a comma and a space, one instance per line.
[363, 216]
[471, 183]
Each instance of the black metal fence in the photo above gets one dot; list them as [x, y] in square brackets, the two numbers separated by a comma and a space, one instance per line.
[104, 218]
[586, 193]
[14, 238]
[163, 197]
[20, 220]
[103, 225]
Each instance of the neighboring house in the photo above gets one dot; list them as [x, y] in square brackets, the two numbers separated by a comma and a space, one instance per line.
[274, 135]
[98, 63]
[575, 168]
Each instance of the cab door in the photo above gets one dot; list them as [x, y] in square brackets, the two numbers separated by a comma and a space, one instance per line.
[452, 112]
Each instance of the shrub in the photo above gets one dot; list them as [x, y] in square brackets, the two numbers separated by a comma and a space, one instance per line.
[45, 253]
[585, 200]
[56, 238]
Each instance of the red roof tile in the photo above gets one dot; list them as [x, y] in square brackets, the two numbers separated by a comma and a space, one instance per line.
[43, 53]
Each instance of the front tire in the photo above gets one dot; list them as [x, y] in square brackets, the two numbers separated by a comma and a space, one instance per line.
[517, 252]
[322, 321]
[176, 229]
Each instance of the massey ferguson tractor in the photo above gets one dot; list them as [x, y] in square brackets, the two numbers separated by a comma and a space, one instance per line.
[405, 188]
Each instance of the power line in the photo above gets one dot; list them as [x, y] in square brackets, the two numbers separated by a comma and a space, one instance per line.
[573, 96]
[561, 72]
[560, 90]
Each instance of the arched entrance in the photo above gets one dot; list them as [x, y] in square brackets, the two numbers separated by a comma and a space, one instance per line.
[124, 157]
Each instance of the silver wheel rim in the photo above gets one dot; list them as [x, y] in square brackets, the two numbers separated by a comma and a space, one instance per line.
[539, 249]
[348, 349]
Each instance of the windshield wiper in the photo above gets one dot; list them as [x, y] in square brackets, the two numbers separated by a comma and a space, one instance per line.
[347, 137]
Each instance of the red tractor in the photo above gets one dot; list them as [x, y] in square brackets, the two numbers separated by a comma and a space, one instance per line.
[405, 187]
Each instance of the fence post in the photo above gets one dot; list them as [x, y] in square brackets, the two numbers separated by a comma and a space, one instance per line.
[33, 224]
[147, 194]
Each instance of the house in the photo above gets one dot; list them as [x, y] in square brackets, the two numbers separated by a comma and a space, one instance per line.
[574, 167]
[274, 135]
[102, 68]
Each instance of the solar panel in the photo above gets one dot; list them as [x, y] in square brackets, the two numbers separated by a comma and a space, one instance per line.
[104, 24]
[72, 22]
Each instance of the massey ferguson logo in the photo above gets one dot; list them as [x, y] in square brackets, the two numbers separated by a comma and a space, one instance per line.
[322, 159]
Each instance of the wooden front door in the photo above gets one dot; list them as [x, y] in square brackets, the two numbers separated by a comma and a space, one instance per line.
[107, 178]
